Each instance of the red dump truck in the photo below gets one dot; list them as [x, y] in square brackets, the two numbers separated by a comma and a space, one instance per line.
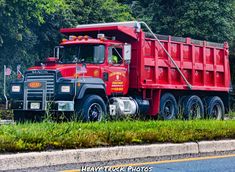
[117, 69]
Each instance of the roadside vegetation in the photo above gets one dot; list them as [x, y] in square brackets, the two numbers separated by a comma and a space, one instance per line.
[72, 135]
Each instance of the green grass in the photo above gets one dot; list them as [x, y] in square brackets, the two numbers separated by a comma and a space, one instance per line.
[6, 114]
[48, 136]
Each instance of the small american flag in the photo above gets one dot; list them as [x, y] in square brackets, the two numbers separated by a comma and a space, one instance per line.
[83, 69]
[80, 70]
[8, 71]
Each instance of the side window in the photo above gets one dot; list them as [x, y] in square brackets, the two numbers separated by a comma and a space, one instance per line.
[115, 55]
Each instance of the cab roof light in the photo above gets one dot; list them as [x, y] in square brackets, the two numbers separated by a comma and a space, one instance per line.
[72, 38]
[102, 39]
[86, 37]
[80, 38]
[64, 40]
[100, 35]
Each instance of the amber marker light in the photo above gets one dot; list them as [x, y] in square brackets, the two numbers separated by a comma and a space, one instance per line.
[80, 38]
[64, 40]
[34, 85]
[102, 39]
[86, 37]
[78, 84]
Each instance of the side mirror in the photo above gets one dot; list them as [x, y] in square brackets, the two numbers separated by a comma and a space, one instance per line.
[127, 53]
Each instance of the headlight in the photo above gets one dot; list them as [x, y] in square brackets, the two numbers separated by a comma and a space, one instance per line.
[15, 88]
[65, 89]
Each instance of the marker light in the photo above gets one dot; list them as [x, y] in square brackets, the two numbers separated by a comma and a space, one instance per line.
[64, 40]
[72, 37]
[80, 38]
[86, 37]
[15, 88]
[65, 89]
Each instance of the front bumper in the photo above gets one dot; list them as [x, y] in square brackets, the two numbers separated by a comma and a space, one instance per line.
[34, 105]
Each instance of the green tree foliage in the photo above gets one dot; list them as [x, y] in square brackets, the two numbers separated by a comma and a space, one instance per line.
[27, 27]
[202, 19]
[24, 27]
[94, 11]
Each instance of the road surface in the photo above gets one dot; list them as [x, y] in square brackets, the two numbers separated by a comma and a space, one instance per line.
[219, 163]
[204, 164]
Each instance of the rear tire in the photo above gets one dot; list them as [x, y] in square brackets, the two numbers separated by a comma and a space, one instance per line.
[193, 108]
[215, 108]
[91, 109]
[168, 107]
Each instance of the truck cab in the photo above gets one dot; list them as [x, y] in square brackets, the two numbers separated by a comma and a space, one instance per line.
[80, 78]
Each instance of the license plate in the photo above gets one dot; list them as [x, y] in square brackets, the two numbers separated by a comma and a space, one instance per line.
[35, 106]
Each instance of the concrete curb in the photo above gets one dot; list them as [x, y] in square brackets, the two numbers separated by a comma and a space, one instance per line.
[39, 159]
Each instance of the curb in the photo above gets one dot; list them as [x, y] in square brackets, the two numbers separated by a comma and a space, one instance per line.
[39, 159]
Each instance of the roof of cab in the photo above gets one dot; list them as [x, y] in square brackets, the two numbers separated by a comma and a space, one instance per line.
[123, 31]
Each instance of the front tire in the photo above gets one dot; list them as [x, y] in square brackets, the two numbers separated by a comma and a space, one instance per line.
[91, 109]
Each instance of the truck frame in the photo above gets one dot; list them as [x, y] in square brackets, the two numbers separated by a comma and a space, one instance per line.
[120, 69]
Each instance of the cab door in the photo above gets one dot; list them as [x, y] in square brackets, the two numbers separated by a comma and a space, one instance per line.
[117, 76]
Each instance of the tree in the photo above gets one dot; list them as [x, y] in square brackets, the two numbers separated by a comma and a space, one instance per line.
[25, 27]
[97, 11]
[202, 19]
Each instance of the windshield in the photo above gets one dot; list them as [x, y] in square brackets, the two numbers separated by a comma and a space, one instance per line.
[85, 53]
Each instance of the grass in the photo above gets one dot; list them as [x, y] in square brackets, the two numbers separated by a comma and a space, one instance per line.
[6, 114]
[49, 136]
[231, 115]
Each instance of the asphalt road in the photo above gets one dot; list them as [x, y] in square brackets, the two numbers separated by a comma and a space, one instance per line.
[219, 163]
[205, 164]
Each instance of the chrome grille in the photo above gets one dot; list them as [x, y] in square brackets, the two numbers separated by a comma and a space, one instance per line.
[49, 78]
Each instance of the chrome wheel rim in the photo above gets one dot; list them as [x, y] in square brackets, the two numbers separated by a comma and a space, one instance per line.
[168, 109]
[95, 112]
[195, 111]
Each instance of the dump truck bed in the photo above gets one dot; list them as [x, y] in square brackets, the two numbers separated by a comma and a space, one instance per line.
[205, 65]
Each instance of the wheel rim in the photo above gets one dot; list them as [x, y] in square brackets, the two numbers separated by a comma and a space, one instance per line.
[216, 112]
[195, 111]
[95, 112]
[168, 109]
